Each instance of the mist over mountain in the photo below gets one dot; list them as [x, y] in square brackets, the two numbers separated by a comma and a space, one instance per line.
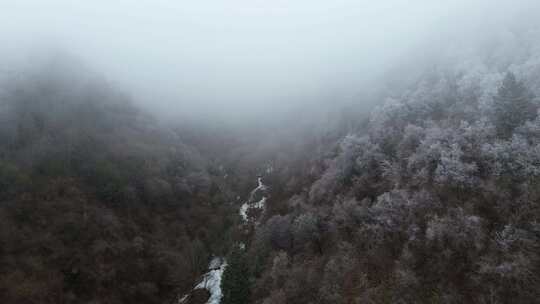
[233, 61]
[231, 152]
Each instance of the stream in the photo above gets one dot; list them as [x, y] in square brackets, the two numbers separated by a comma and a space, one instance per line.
[211, 280]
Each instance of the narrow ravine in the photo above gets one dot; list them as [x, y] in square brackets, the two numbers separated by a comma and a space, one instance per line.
[211, 280]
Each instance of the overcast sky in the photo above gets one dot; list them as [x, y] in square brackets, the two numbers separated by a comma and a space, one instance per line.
[237, 58]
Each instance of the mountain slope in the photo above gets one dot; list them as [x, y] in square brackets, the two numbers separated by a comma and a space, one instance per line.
[99, 202]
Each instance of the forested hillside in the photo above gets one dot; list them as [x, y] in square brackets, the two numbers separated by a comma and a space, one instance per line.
[102, 203]
[422, 187]
[435, 201]
[99, 203]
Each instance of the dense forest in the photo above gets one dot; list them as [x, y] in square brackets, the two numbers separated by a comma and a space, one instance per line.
[431, 196]
[434, 200]
[98, 200]
[103, 203]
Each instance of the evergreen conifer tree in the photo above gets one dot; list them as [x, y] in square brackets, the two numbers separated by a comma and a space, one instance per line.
[512, 106]
[235, 281]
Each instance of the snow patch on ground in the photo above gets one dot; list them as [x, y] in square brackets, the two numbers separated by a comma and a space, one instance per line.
[260, 204]
[211, 281]
[250, 204]
[243, 211]
[260, 187]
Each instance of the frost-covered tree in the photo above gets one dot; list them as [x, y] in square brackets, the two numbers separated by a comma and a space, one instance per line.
[452, 171]
[512, 105]
[513, 261]
[306, 230]
[278, 231]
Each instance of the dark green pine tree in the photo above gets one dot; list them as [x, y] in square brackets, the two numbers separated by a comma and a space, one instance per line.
[513, 105]
[235, 281]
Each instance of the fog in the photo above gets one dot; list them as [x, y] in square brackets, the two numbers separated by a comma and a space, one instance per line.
[240, 60]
